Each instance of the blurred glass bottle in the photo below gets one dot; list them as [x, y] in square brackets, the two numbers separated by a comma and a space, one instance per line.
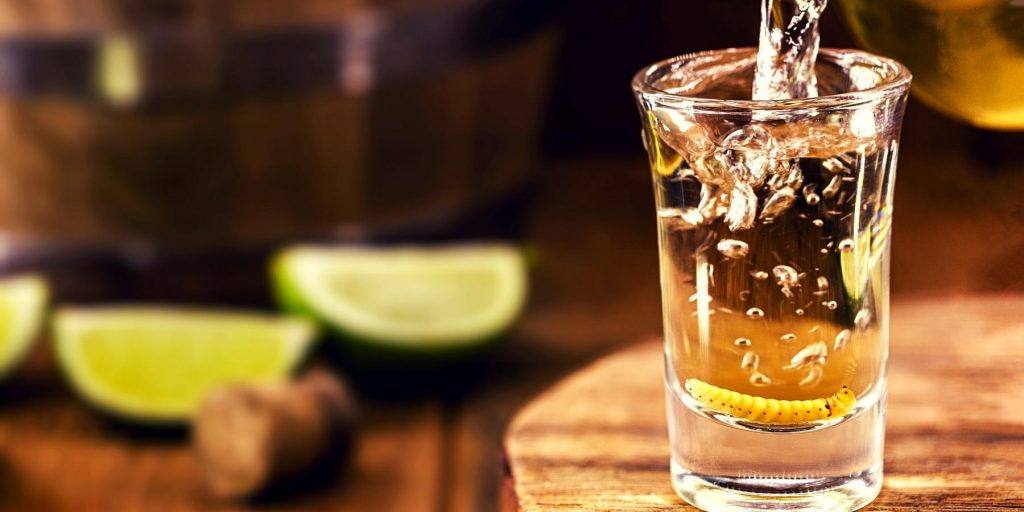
[161, 148]
[967, 56]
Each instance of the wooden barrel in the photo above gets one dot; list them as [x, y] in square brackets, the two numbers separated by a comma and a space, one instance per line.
[148, 129]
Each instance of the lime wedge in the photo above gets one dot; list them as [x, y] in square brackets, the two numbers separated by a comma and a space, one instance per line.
[155, 364]
[22, 308]
[859, 264]
[406, 299]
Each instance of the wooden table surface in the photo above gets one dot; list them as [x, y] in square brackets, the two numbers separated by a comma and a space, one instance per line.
[959, 230]
[955, 426]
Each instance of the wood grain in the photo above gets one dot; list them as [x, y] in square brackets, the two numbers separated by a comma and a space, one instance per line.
[955, 433]
[56, 455]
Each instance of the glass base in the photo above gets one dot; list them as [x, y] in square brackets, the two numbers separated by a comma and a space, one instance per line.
[720, 494]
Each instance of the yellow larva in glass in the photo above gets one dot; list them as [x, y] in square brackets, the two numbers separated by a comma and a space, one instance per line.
[769, 410]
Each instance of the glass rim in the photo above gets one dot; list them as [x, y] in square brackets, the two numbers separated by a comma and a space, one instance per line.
[897, 81]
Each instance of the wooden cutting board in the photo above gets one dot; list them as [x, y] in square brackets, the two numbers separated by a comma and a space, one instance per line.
[955, 433]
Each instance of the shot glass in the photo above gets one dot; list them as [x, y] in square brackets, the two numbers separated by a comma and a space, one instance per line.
[773, 226]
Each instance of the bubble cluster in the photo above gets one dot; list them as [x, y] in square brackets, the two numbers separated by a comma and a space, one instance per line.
[840, 164]
[752, 152]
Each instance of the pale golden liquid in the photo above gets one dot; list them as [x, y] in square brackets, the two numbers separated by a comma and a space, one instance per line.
[702, 339]
[967, 56]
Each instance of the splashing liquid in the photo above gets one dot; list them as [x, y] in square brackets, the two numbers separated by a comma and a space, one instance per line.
[787, 49]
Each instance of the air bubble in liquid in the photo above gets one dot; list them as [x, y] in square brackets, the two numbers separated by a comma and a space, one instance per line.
[755, 313]
[760, 275]
[862, 319]
[809, 190]
[818, 222]
[799, 312]
[788, 337]
[822, 283]
[831, 305]
[832, 187]
[846, 245]
[786, 275]
[742, 207]
[742, 342]
[759, 379]
[778, 203]
[838, 164]
[842, 338]
[684, 218]
[733, 248]
[815, 353]
[812, 378]
[750, 361]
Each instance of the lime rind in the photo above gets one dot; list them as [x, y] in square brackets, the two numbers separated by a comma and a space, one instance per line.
[71, 326]
[23, 302]
[312, 280]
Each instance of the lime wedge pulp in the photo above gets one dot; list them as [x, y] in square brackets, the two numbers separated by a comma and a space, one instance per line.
[406, 298]
[22, 308]
[156, 363]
